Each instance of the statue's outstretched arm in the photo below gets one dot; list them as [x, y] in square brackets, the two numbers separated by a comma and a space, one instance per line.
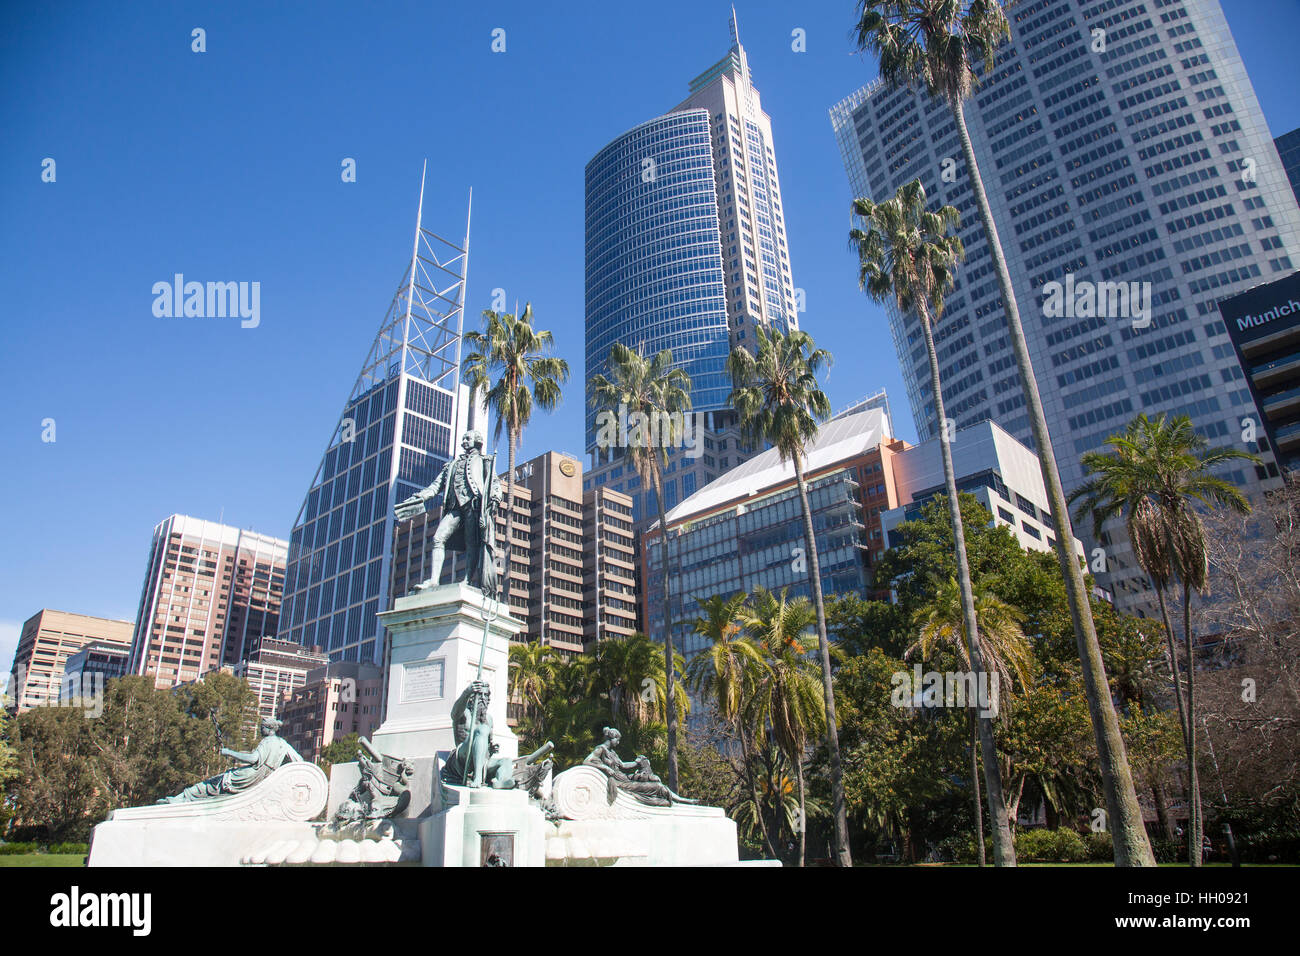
[240, 755]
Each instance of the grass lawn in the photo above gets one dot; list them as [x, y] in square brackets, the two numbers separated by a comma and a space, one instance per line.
[43, 859]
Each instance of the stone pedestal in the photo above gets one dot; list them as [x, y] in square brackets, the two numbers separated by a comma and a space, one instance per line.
[484, 827]
[435, 639]
[220, 831]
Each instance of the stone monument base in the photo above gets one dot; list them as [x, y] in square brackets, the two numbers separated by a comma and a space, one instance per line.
[484, 827]
[220, 831]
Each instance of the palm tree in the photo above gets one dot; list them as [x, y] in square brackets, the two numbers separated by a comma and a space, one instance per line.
[516, 352]
[654, 389]
[727, 671]
[629, 673]
[906, 251]
[778, 400]
[788, 697]
[533, 670]
[1155, 475]
[1006, 653]
[936, 44]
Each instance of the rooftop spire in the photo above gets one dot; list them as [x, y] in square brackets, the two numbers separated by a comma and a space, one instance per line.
[735, 27]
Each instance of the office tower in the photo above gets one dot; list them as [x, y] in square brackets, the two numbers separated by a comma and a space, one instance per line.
[87, 671]
[48, 638]
[572, 562]
[1120, 142]
[209, 590]
[609, 578]
[399, 425]
[276, 668]
[686, 250]
[340, 698]
[1264, 325]
[1288, 150]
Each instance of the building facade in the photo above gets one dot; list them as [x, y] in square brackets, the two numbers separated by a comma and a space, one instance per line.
[275, 669]
[47, 640]
[686, 250]
[341, 698]
[1264, 325]
[209, 591]
[1119, 142]
[87, 671]
[1288, 150]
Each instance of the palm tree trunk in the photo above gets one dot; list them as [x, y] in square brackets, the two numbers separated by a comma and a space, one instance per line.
[1004, 853]
[670, 678]
[803, 814]
[1128, 833]
[839, 813]
[975, 788]
[753, 790]
[1192, 857]
[1194, 783]
[511, 441]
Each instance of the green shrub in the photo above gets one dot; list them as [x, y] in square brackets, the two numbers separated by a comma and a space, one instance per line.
[74, 849]
[18, 849]
[1169, 851]
[1101, 848]
[1050, 846]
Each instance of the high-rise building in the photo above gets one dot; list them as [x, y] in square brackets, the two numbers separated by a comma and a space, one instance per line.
[47, 640]
[686, 250]
[397, 428]
[1288, 150]
[1264, 325]
[276, 668]
[1134, 185]
[88, 670]
[209, 591]
[609, 577]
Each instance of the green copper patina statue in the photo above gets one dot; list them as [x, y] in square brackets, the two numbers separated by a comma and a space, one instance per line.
[471, 764]
[468, 492]
[256, 766]
[633, 777]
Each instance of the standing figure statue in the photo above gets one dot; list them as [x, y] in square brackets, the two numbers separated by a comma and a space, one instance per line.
[471, 764]
[469, 493]
[257, 765]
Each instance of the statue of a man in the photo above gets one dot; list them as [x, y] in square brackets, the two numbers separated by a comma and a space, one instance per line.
[256, 766]
[471, 764]
[468, 493]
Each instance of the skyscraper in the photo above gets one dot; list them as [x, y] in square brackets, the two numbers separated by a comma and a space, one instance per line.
[210, 591]
[686, 250]
[1288, 149]
[48, 640]
[1119, 142]
[396, 430]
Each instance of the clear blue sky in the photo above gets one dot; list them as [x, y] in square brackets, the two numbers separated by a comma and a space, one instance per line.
[225, 166]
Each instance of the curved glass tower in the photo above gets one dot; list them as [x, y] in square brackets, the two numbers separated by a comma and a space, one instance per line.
[654, 254]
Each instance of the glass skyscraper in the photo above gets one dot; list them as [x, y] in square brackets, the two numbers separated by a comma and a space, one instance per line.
[396, 431]
[1119, 141]
[686, 250]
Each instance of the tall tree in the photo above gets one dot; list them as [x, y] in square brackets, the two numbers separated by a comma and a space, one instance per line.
[727, 671]
[787, 695]
[937, 45]
[515, 352]
[658, 395]
[908, 252]
[778, 399]
[1006, 653]
[1155, 474]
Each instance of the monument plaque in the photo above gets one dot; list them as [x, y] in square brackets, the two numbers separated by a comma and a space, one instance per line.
[422, 680]
[497, 849]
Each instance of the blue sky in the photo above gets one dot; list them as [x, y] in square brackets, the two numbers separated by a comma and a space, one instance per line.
[225, 165]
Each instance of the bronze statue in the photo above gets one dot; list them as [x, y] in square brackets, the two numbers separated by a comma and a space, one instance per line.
[471, 764]
[633, 777]
[382, 793]
[468, 492]
[257, 765]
